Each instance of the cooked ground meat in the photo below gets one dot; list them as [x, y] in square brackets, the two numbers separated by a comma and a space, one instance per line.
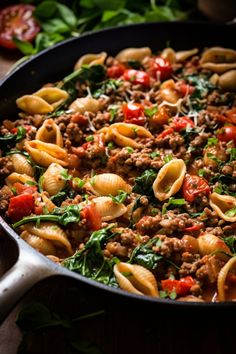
[6, 167]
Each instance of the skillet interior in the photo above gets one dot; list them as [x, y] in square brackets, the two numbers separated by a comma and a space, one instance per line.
[53, 64]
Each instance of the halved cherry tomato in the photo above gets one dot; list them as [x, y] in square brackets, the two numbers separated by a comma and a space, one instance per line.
[115, 71]
[20, 206]
[185, 89]
[193, 186]
[92, 217]
[17, 21]
[227, 133]
[181, 287]
[24, 189]
[161, 68]
[137, 77]
[165, 133]
[180, 123]
[134, 113]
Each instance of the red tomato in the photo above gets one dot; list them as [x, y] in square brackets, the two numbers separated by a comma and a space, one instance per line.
[20, 206]
[115, 71]
[15, 130]
[180, 123]
[137, 77]
[196, 227]
[92, 217]
[79, 118]
[181, 287]
[24, 189]
[160, 67]
[227, 133]
[134, 113]
[17, 21]
[185, 89]
[165, 133]
[194, 185]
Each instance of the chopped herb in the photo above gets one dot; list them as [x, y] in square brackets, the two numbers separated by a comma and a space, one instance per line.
[154, 154]
[129, 149]
[172, 295]
[110, 145]
[78, 182]
[120, 198]
[212, 141]
[13, 189]
[150, 111]
[232, 152]
[89, 138]
[231, 212]
[31, 183]
[154, 211]
[113, 111]
[168, 158]
[107, 87]
[202, 172]
[9, 140]
[64, 174]
[214, 158]
[230, 241]
[202, 85]
[163, 294]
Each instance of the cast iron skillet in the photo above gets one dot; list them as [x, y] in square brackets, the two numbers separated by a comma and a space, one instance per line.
[52, 65]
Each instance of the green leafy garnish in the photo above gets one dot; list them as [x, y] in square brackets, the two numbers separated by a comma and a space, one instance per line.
[145, 256]
[120, 198]
[211, 141]
[230, 241]
[90, 261]
[150, 111]
[143, 183]
[168, 158]
[9, 140]
[173, 202]
[231, 212]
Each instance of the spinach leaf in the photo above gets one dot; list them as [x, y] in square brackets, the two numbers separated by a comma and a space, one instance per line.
[145, 256]
[61, 215]
[108, 86]
[90, 261]
[202, 85]
[230, 241]
[173, 202]
[143, 183]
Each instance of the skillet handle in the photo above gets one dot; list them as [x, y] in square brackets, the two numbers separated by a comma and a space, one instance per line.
[30, 268]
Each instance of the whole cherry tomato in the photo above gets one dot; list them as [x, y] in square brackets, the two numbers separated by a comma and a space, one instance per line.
[115, 71]
[17, 21]
[137, 77]
[161, 68]
[134, 113]
[193, 186]
[180, 123]
[227, 133]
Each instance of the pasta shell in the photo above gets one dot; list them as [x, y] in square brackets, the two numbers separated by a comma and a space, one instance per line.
[222, 278]
[49, 132]
[52, 95]
[219, 68]
[219, 55]
[91, 59]
[52, 232]
[21, 165]
[107, 183]
[108, 209]
[185, 54]
[208, 243]
[49, 205]
[138, 281]
[133, 54]
[43, 246]
[33, 105]
[18, 177]
[228, 80]
[169, 54]
[44, 153]
[218, 59]
[52, 181]
[85, 104]
[169, 179]
[168, 92]
[123, 134]
[224, 206]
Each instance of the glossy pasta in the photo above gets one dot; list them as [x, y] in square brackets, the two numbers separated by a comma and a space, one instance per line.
[125, 171]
